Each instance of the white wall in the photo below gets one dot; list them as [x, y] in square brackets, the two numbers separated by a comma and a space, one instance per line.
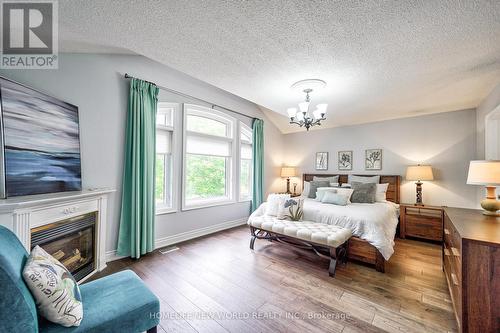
[95, 83]
[447, 141]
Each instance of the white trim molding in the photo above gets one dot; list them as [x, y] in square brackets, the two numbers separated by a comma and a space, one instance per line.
[185, 236]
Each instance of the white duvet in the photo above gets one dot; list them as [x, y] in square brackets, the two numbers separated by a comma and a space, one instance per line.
[375, 223]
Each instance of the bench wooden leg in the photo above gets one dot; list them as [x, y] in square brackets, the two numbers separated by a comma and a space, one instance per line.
[152, 330]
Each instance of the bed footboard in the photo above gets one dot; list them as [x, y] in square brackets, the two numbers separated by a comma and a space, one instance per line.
[361, 250]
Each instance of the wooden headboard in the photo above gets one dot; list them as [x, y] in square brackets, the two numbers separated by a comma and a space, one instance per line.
[392, 191]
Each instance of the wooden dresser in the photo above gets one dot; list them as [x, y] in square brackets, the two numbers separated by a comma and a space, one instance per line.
[471, 260]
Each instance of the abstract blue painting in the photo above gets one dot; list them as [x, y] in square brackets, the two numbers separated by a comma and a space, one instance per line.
[41, 142]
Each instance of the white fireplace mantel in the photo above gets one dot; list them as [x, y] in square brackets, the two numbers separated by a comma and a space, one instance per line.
[21, 214]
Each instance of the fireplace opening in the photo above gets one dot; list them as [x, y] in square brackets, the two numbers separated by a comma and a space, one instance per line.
[71, 241]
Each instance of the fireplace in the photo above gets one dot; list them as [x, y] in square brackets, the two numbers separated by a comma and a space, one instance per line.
[71, 241]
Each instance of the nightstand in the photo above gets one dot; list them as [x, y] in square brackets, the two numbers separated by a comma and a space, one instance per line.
[425, 222]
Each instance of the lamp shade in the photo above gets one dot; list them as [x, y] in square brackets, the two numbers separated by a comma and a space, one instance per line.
[419, 172]
[288, 172]
[484, 173]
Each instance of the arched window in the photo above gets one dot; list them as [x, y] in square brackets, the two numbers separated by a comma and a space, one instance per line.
[208, 157]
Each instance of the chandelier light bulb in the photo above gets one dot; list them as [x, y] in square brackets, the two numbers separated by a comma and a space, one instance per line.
[304, 106]
[291, 112]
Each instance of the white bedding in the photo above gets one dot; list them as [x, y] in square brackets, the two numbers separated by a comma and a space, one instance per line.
[375, 223]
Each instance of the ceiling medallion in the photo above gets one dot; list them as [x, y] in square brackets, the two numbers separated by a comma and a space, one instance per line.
[304, 117]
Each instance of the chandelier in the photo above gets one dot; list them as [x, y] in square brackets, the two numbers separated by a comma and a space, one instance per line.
[304, 117]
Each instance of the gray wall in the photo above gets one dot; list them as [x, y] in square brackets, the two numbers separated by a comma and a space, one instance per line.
[488, 105]
[95, 83]
[447, 141]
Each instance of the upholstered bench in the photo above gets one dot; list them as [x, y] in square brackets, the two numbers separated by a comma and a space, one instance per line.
[120, 302]
[304, 234]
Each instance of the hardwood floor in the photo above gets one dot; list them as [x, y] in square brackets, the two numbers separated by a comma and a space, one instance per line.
[217, 284]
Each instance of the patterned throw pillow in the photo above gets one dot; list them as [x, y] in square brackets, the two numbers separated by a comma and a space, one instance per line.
[55, 290]
[295, 209]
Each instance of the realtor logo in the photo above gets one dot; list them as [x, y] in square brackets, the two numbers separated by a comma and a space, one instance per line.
[29, 34]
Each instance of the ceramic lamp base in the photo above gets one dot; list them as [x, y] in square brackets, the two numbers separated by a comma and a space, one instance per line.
[491, 205]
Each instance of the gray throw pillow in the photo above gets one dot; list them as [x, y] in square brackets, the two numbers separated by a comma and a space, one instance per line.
[333, 179]
[363, 179]
[364, 193]
[314, 187]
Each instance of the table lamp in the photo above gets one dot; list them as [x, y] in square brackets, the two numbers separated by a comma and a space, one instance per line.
[419, 173]
[486, 173]
[287, 172]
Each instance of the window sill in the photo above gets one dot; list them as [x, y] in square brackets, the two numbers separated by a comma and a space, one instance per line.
[162, 211]
[209, 204]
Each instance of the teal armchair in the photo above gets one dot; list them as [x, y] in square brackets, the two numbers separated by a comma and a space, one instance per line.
[120, 302]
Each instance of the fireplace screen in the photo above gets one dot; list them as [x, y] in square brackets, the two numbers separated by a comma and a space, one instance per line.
[71, 241]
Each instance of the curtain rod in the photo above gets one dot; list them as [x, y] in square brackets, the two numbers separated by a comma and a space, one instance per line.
[127, 76]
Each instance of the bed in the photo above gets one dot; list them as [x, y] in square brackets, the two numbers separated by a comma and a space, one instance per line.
[373, 225]
[360, 249]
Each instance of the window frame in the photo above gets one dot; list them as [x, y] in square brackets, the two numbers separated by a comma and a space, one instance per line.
[175, 130]
[231, 165]
[242, 127]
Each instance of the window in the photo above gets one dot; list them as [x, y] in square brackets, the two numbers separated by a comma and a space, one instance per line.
[245, 162]
[208, 157]
[164, 158]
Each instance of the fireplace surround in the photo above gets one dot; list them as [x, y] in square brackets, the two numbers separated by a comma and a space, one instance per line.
[71, 226]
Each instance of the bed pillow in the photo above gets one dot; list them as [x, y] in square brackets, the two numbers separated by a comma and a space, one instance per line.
[273, 203]
[334, 184]
[362, 179]
[306, 189]
[54, 289]
[333, 179]
[364, 193]
[345, 191]
[314, 187]
[335, 198]
[381, 195]
[322, 190]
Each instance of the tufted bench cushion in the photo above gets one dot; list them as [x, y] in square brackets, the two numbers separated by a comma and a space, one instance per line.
[319, 233]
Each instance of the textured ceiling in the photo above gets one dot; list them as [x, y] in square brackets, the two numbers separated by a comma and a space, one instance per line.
[381, 59]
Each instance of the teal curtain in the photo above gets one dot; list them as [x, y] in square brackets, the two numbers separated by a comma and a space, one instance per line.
[258, 163]
[137, 220]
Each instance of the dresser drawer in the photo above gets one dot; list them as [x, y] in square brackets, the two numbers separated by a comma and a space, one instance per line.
[454, 280]
[424, 227]
[451, 236]
[454, 261]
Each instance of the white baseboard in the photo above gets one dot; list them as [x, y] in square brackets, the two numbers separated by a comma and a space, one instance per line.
[184, 236]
